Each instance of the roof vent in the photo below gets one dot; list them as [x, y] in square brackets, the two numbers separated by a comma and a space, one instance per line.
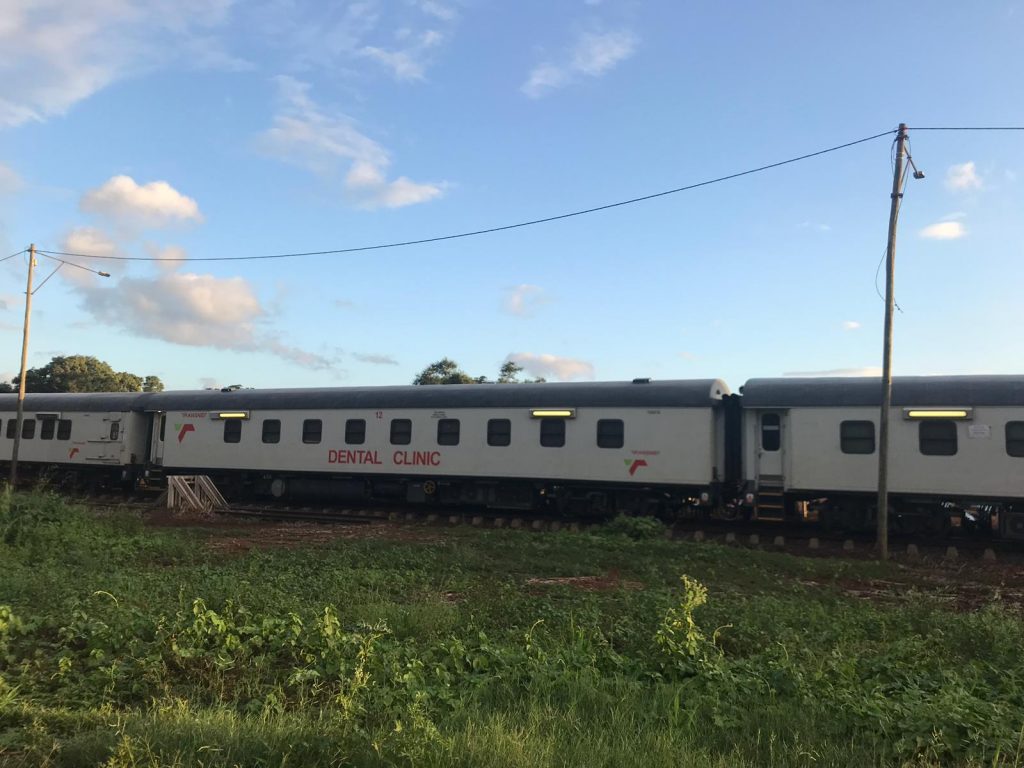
[642, 381]
[232, 388]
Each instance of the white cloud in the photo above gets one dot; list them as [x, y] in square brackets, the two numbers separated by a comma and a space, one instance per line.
[54, 53]
[850, 325]
[374, 359]
[592, 55]
[208, 382]
[552, 366]
[596, 54]
[86, 240]
[168, 257]
[156, 204]
[524, 300]
[409, 62]
[10, 182]
[944, 230]
[962, 177]
[866, 371]
[179, 307]
[308, 136]
[437, 10]
[89, 240]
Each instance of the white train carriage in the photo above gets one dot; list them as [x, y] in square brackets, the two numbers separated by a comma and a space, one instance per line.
[956, 449]
[595, 447]
[72, 436]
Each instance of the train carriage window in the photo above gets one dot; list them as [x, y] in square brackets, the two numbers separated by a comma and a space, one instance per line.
[64, 429]
[1015, 438]
[312, 430]
[552, 433]
[611, 433]
[401, 431]
[937, 438]
[163, 425]
[499, 432]
[47, 428]
[12, 428]
[355, 431]
[232, 430]
[771, 431]
[271, 431]
[115, 430]
[448, 432]
[857, 436]
[28, 429]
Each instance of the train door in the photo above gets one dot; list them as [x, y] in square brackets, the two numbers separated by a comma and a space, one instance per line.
[158, 426]
[770, 480]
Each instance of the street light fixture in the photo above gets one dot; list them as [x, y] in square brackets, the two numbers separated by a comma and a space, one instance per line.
[29, 292]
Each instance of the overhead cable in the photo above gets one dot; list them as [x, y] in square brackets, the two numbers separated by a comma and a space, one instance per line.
[490, 230]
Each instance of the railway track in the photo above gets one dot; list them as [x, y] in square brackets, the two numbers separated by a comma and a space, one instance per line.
[784, 537]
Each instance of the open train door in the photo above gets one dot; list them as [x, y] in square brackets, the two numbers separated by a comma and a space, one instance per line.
[770, 480]
[157, 428]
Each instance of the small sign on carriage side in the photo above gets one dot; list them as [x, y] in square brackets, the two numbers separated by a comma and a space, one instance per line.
[975, 431]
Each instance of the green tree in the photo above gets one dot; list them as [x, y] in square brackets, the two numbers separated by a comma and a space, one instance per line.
[447, 371]
[83, 373]
[444, 371]
[509, 374]
[5, 387]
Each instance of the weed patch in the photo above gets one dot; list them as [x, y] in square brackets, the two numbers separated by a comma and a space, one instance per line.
[126, 646]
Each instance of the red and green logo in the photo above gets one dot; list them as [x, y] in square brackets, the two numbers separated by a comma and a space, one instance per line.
[72, 453]
[634, 465]
[184, 429]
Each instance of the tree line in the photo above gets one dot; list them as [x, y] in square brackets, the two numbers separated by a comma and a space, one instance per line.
[84, 373]
[447, 371]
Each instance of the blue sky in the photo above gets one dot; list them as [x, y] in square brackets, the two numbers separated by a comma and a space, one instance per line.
[215, 128]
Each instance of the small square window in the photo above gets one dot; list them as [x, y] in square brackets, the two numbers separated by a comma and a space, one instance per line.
[46, 428]
[28, 429]
[271, 430]
[355, 431]
[771, 431]
[232, 430]
[115, 430]
[937, 438]
[401, 431]
[499, 432]
[611, 433]
[448, 432]
[857, 436]
[312, 430]
[64, 429]
[552, 433]
[1015, 438]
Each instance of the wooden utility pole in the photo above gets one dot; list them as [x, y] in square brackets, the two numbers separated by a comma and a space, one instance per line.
[24, 363]
[890, 302]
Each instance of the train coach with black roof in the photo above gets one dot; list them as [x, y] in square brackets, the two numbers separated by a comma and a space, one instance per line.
[598, 447]
[956, 447]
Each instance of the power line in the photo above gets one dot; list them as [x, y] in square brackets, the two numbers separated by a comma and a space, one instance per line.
[972, 128]
[17, 253]
[490, 230]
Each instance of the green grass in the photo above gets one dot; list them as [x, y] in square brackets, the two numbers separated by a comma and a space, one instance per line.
[123, 644]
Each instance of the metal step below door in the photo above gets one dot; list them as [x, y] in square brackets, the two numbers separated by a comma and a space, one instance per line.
[771, 502]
